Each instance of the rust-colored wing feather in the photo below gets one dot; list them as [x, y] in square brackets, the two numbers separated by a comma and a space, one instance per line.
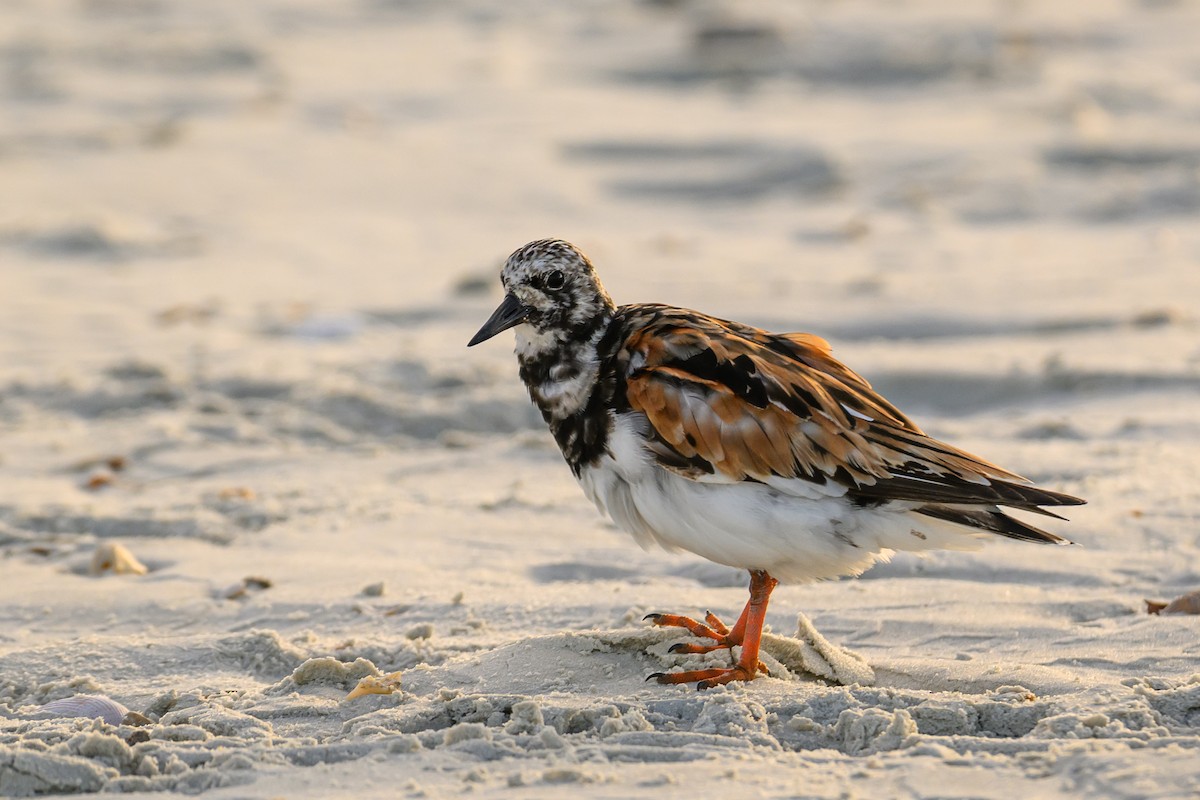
[732, 403]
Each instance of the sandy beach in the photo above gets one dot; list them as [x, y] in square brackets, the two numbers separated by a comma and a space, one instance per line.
[248, 462]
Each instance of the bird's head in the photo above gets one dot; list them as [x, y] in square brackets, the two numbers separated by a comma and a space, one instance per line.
[551, 296]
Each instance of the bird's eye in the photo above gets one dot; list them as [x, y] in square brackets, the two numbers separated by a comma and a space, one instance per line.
[555, 280]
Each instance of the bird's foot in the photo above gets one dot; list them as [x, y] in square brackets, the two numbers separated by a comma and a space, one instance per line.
[706, 678]
[716, 632]
[714, 629]
[688, 647]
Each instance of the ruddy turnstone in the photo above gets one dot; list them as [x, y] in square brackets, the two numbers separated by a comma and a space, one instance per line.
[753, 449]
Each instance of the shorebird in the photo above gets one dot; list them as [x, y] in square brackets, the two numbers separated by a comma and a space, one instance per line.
[752, 449]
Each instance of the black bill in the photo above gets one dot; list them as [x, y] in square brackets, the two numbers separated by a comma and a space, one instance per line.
[510, 314]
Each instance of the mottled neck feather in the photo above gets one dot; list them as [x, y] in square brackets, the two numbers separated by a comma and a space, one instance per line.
[561, 368]
[572, 385]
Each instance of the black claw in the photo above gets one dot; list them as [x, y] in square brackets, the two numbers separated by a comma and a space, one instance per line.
[702, 685]
[654, 676]
[675, 648]
[651, 616]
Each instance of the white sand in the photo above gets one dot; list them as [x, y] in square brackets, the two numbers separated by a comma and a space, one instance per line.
[243, 245]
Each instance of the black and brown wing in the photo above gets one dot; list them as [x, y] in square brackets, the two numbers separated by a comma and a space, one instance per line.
[729, 402]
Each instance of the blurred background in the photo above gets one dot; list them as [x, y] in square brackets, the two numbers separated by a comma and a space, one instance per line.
[275, 157]
[277, 223]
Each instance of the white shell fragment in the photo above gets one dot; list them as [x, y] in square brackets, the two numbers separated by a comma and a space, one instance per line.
[85, 706]
[376, 684]
[113, 558]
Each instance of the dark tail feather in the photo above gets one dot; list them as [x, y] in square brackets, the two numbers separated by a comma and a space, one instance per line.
[948, 489]
[1037, 496]
[995, 521]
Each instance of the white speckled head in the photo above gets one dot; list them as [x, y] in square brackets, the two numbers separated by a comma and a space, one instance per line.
[552, 294]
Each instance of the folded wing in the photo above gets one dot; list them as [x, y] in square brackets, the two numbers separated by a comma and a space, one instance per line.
[728, 402]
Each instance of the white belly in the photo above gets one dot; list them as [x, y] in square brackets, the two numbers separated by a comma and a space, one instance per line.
[796, 531]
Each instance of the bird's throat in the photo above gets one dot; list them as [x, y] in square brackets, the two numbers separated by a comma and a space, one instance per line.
[568, 384]
[561, 379]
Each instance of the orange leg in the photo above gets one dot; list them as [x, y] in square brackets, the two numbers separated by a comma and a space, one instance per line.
[747, 632]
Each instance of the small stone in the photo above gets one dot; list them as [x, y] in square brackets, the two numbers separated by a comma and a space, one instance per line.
[422, 631]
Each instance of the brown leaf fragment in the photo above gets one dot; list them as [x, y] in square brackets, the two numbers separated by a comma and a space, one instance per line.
[98, 481]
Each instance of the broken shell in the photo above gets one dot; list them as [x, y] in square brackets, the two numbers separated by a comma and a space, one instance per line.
[376, 684]
[115, 558]
[1184, 604]
[86, 706]
[241, 589]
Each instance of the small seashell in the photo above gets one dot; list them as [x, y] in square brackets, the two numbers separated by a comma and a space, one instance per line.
[376, 684]
[114, 558]
[1184, 604]
[86, 706]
